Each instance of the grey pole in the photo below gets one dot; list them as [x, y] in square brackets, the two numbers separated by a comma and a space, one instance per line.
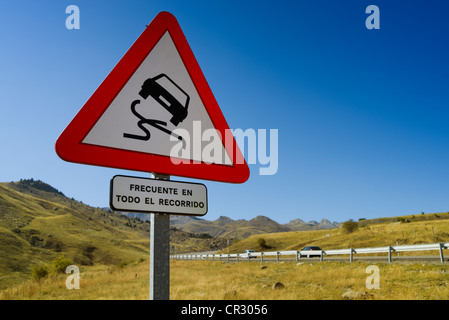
[160, 253]
[441, 252]
[389, 254]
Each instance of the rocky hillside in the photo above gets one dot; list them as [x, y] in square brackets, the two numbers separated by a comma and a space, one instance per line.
[240, 229]
[228, 228]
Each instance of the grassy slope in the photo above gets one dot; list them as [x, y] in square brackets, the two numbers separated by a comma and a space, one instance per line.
[429, 228]
[34, 230]
[38, 225]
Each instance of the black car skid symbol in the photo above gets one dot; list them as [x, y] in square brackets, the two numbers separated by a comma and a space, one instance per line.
[179, 112]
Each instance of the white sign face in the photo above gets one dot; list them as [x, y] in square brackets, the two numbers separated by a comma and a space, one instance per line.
[159, 99]
[146, 195]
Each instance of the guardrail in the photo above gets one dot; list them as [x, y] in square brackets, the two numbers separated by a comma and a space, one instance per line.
[320, 253]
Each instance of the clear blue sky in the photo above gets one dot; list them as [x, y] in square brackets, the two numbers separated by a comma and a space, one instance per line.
[362, 114]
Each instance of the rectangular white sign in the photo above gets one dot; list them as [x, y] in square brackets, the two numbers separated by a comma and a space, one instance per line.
[146, 195]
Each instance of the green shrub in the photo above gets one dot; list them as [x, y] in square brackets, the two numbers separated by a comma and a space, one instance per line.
[39, 272]
[60, 264]
[263, 243]
[349, 226]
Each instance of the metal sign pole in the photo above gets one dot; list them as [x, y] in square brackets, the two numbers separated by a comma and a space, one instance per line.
[160, 253]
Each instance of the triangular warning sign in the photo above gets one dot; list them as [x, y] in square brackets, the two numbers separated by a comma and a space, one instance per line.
[156, 113]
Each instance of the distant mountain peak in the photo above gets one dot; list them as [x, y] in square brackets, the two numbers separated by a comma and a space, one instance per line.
[26, 184]
[299, 225]
[297, 221]
[262, 218]
[222, 220]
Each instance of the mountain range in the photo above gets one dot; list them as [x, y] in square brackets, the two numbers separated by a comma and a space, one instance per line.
[240, 229]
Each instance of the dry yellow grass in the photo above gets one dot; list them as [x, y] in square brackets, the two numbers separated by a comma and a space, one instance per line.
[96, 283]
[307, 281]
[214, 280]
